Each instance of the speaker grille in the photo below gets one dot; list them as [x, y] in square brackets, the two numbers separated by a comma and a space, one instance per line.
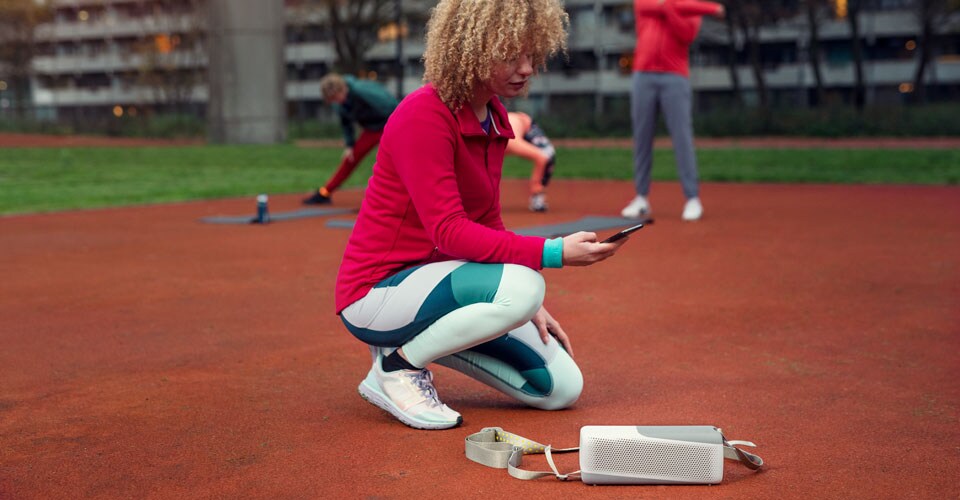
[668, 460]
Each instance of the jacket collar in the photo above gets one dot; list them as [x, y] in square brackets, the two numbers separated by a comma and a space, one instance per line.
[500, 125]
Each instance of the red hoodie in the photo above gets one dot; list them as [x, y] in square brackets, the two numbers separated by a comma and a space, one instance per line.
[434, 195]
[665, 30]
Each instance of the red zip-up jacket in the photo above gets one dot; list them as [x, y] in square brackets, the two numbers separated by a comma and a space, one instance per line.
[434, 195]
[665, 31]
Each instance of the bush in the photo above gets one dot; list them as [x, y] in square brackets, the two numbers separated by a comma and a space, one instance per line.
[575, 118]
[834, 121]
[314, 129]
[166, 126]
[33, 127]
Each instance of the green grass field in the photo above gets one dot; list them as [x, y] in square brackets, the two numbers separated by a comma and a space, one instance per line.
[51, 179]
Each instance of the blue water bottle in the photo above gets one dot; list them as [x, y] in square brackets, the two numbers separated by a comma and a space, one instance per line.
[263, 214]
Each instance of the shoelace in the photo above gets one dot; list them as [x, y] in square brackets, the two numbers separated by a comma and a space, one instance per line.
[424, 380]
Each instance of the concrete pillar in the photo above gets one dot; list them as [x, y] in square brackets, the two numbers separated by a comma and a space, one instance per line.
[247, 72]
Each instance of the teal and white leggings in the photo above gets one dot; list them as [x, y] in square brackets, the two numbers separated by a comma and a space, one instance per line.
[474, 318]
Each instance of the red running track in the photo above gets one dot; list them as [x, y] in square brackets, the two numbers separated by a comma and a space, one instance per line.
[148, 355]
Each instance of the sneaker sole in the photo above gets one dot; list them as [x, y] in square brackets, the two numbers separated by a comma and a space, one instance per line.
[376, 398]
[629, 215]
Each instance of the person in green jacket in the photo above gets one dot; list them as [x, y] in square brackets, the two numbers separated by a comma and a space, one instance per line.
[358, 102]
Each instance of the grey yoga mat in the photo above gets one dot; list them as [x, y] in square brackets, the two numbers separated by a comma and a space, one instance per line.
[278, 216]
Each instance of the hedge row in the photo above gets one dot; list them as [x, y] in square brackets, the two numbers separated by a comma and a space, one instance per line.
[912, 121]
[579, 120]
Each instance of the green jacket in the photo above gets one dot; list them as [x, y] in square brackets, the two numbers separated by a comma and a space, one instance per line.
[368, 104]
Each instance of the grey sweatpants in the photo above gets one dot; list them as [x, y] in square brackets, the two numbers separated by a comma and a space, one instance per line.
[672, 94]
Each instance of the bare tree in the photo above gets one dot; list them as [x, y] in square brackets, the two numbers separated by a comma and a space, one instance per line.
[353, 26]
[856, 45]
[732, 13]
[18, 20]
[749, 16]
[932, 15]
[813, 10]
[171, 57]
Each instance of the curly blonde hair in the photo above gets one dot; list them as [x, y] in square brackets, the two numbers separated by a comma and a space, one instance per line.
[466, 39]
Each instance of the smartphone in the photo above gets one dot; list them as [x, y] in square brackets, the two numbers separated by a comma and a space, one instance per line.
[622, 234]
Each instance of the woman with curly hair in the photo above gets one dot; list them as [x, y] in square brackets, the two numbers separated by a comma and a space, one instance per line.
[430, 274]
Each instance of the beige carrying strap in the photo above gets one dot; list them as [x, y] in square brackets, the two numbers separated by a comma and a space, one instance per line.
[731, 452]
[497, 448]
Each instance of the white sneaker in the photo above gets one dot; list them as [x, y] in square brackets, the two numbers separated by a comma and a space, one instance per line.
[693, 210]
[538, 202]
[639, 206]
[408, 395]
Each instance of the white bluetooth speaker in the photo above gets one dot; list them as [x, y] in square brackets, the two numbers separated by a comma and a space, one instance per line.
[651, 454]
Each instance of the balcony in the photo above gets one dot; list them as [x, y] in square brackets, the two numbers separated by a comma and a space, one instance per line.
[107, 96]
[117, 27]
[111, 62]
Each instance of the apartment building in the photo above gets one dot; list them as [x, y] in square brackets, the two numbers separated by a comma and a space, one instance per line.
[98, 58]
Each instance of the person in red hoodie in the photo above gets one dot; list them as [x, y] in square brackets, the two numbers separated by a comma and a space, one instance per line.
[430, 274]
[661, 71]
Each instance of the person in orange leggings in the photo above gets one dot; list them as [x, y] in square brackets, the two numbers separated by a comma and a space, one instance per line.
[531, 143]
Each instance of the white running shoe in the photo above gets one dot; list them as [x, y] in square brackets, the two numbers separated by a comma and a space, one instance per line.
[538, 202]
[693, 210]
[639, 206]
[408, 395]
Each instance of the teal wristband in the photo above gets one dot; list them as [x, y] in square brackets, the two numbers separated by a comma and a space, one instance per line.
[553, 253]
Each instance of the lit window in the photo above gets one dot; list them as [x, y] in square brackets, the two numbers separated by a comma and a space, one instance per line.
[391, 31]
[163, 44]
[911, 44]
[840, 8]
[906, 88]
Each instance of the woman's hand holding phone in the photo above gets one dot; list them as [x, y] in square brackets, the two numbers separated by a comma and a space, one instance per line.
[582, 249]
